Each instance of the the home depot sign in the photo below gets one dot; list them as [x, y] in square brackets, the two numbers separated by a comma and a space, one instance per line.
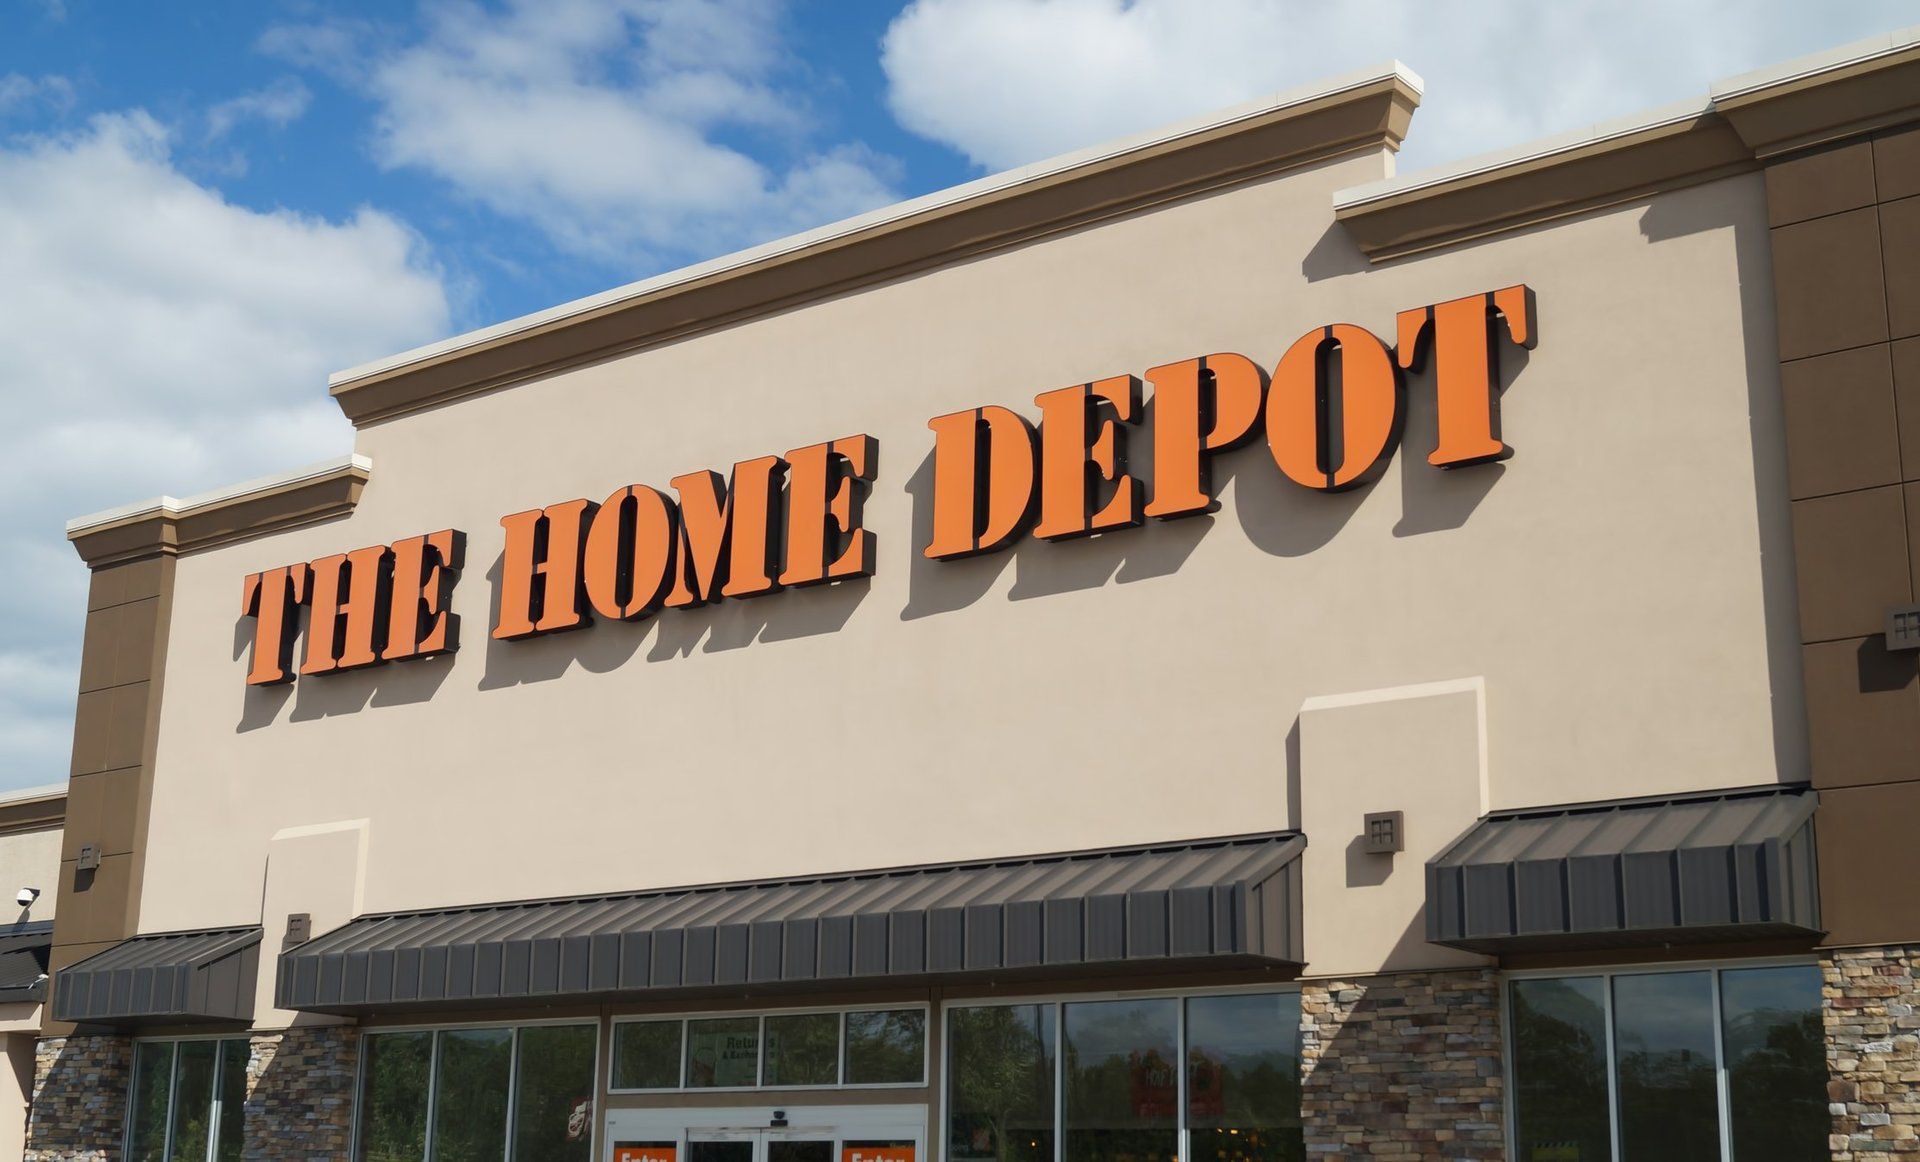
[1331, 412]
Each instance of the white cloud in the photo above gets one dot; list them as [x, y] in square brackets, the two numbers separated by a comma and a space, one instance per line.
[157, 338]
[19, 92]
[279, 104]
[612, 126]
[1011, 81]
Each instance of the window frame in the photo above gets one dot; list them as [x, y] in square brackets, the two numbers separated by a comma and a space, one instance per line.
[1059, 1000]
[217, 1110]
[600, 1043]
[760, 1063]
[1606, 974]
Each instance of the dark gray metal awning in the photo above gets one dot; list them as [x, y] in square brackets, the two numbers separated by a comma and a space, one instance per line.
[23, 961]
[170, 978]
[1225, 902]
[1729, 865]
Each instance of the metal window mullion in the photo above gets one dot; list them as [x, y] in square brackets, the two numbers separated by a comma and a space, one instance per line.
[1722, 1090]
[216, 1106]
[433, 1092]
[173, 1091]
[1181, 1129]
[1059, 1082]
[513, 1080]
[1613, 1069]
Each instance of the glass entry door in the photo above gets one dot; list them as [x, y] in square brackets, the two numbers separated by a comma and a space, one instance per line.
[755, 1134]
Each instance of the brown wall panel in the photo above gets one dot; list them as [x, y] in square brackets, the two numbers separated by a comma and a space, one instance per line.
[1852, 553]
[1863, 711]
[1896, 164]
[1869, 864]
[1825, 181]
[1900, 255]
[1842, 433]
[1828, 284]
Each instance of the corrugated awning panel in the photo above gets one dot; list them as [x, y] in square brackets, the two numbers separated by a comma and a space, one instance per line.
[23, 961]
[165, 978]
[1712, 866]
[1235, 897]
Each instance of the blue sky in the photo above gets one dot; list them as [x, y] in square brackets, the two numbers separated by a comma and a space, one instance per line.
[207, 207]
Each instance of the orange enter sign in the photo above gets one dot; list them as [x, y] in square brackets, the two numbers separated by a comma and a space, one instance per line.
[648, 1153]
[876, 1154]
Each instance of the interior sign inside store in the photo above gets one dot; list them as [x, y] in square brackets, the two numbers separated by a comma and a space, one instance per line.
[1331, 412]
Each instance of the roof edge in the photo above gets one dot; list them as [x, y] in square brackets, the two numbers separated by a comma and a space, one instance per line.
[169, 526]
[1732, 128]
[1368, 109]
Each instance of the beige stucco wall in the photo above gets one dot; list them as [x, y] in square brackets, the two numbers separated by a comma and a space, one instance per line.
[29, 859]
[1604, 587]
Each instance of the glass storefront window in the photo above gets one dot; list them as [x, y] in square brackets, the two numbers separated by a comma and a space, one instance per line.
[1122, 1081]
[477, 1095]
[1776, 1062]
[1689, 1051]
[802, 1050]
[1000, 1079]
[1243, 1078]
[187, 1101]
[723, 1052]
[553, 1094]
[887, 1047]
[646, 1055]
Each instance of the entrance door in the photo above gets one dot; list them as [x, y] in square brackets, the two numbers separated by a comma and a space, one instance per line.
[768, 1134]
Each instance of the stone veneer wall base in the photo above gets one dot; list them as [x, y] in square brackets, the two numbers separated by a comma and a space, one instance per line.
[79, 1098]
[1873, 1051]
[1403, 1067]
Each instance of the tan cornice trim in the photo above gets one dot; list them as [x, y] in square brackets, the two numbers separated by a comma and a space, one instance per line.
[1364, 112]
[168, 527]
[1743, 121]
[35, 810]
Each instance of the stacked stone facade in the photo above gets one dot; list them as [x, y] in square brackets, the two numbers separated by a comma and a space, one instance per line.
[1873, 1052]
[300, 1094]
[79, 1099]
[1403, 1067]
[299, 1097]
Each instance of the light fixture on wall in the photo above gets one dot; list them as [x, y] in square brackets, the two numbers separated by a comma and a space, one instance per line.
[26, 896]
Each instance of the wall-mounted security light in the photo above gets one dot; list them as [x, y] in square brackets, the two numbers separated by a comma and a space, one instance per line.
[26, 896]
[1385, 833]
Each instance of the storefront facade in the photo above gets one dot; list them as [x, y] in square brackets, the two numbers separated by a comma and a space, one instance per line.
[1199, 648]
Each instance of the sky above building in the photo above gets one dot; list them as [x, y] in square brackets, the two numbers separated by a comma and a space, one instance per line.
[207, 207]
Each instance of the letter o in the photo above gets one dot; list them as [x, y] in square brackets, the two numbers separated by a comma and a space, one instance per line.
[1369, 408]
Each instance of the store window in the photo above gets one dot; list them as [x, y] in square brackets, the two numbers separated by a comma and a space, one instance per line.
[188, 1101]
[1650, 1066]
[1130, 1076]
[861, 1047]
[519, 1094]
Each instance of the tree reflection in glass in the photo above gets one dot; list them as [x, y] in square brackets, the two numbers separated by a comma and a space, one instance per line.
[886, 1047]
[553, 1094]
[1560, 1070]
[1663, 1039]
[470, 1095]
[393, 1096]
[193, 1100]
[1776, 1062]
[233, 1100]
[1243, 1078]
[803, 1050]
[1000, 1083]
[1121, 1081]
[152, 1086]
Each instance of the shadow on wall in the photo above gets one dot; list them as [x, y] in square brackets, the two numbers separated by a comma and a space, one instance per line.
[396, 684]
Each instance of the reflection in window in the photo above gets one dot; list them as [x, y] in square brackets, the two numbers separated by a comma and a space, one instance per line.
[1560, 1069]
[470, 1094]
[475, 1088]
[1663, 1043]
[646, 1055]
[1122, 1081]
[1243, 1078]
[1776, 1062]
[886, 1047]
[803, 1050]
[724, 1052]
[187, 1101]
[394, 1068]
[553, 1094]
[1000, 1075]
